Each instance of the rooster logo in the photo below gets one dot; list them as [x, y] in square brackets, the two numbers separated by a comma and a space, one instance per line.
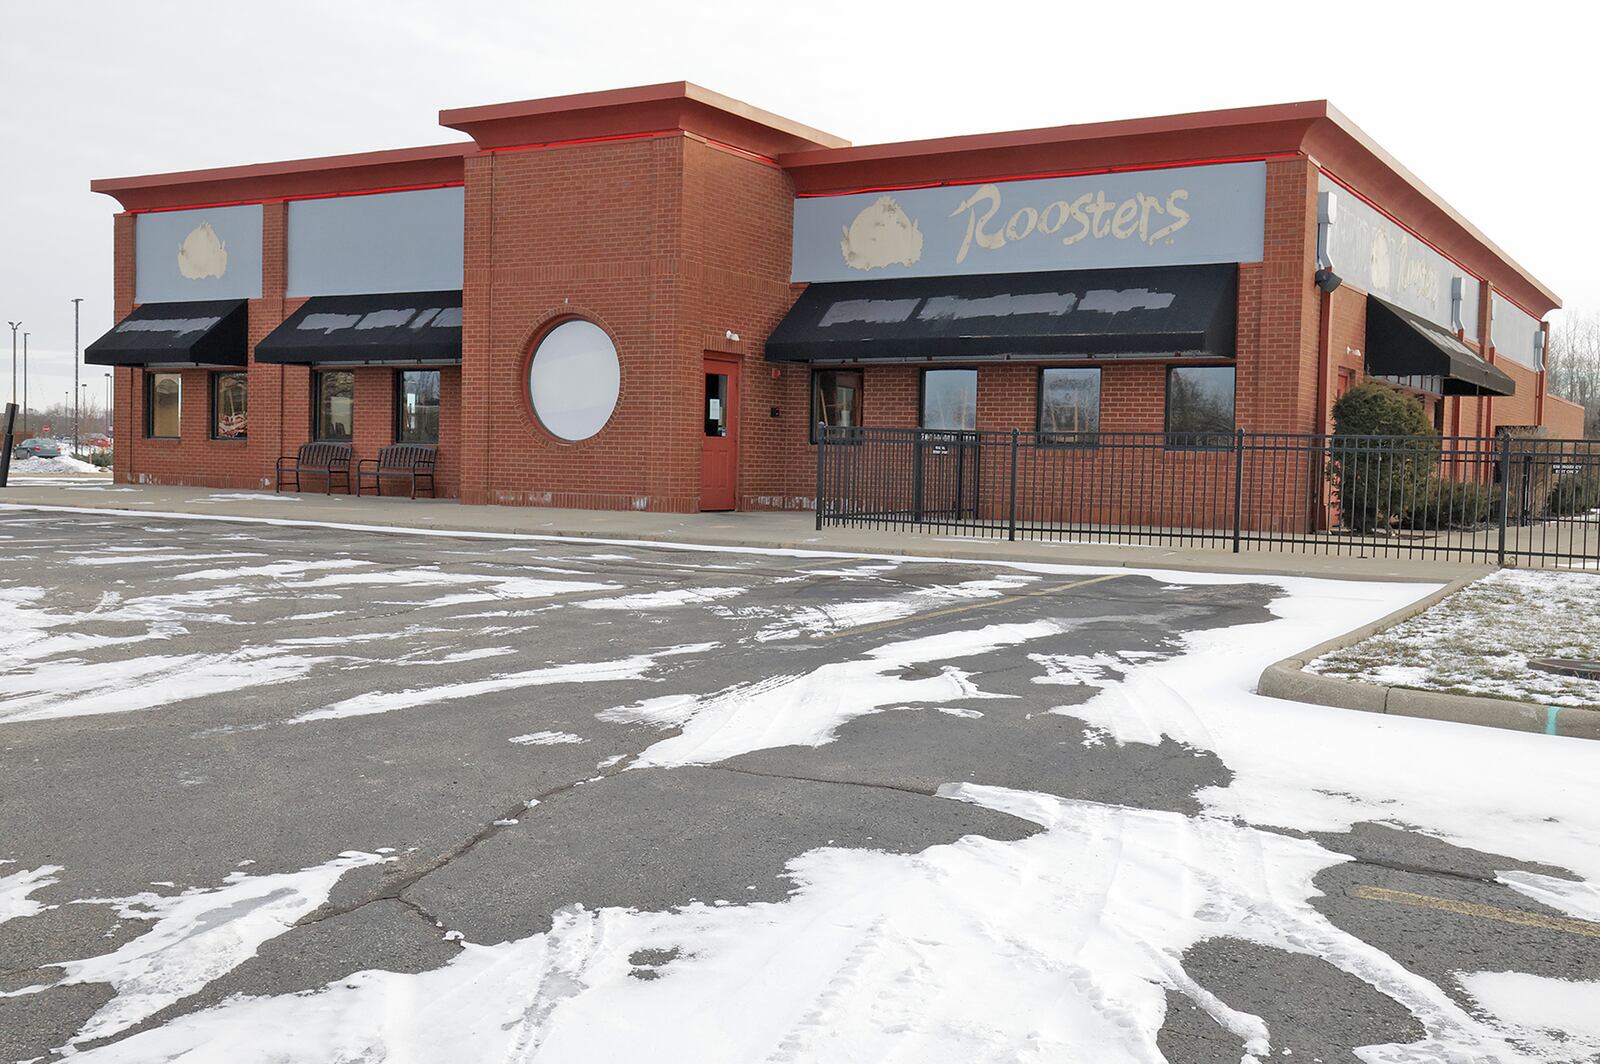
[881, 235]
[202, 254]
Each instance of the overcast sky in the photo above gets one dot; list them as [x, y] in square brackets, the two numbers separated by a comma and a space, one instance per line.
[1492, 105]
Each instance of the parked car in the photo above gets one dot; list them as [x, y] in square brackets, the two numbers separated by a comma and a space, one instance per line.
[98, 442]
[36, 447]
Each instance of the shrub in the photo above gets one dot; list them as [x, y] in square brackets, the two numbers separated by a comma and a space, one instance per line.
[1575, 495]
[1380, 481]
[1447, 503]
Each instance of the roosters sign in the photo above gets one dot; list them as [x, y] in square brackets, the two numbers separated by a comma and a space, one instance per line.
[1166, 217]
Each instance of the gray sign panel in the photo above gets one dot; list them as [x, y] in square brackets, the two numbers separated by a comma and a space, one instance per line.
[206, 253]
[1181, 216]
[1379, 257]
[1513, 331]
[385, 242]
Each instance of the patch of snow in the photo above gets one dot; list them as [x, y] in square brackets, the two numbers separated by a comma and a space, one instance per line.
[876, 956]
[655, 600]
[1573, 897]
[63, 464]
[547, 738]
[273, 570]
[247, 496]
[806, 710]
[635, 667]
[15, 888]
[842, 616]
[198, 935]
[1541, 1011]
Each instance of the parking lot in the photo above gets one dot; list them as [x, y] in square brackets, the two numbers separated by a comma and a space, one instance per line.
[254, 760]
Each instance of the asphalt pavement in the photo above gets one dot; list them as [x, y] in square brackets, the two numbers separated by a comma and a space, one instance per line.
[184, 700]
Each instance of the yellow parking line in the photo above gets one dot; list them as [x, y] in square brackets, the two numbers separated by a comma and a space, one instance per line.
[984, 604]
[1519, 917]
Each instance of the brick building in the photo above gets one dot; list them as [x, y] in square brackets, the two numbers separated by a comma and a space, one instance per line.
[646, 298]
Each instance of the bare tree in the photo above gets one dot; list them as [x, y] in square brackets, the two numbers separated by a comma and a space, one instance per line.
[1575, 364]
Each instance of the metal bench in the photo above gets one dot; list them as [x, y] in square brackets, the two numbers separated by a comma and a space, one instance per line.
[413, 461]
[328, 460]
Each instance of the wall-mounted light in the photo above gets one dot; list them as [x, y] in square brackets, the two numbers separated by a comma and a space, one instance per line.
[1328, 281]
[731, 335]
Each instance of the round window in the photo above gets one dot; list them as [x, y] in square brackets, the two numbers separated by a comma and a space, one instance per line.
[574, 380]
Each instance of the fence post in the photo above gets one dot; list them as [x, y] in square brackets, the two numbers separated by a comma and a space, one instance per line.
[1011, 527]
[822, 442]
[1505, 491]
[1238, 487]
[916, 477]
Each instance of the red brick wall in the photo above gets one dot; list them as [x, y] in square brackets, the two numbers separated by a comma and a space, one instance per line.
[591, 231]
[279, 396]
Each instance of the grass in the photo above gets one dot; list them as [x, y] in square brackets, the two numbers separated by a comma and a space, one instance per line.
[1479, 641]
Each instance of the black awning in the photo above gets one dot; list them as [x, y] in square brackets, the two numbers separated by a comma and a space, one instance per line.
[408, 328]
[1403, 344]
[214, 332]
[1168, 310]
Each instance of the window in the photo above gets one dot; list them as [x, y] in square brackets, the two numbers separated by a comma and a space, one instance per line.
[230, 393]
[574, 380]
[950, 399]
[1069, 406]
[335, 405]
[163, 405]
[835, 399]
[416, 413]
[1200, 406]
[716, 404]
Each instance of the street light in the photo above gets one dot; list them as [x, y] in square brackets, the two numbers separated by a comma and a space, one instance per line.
[15, 325]
[75, 303]
[25, 382]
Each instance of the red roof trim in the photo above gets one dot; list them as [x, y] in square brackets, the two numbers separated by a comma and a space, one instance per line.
[302, 196]
[1087, 172]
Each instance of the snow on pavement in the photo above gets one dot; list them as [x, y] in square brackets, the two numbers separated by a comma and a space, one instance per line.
[196, 937]
[15, 888]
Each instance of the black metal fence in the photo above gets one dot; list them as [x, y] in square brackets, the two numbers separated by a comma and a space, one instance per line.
[1508, 500]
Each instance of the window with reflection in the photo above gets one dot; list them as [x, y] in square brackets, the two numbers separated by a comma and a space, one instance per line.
[950, 400]
[335, 405]
[416, 396]
[1200, 406]
[1069, 405]
[163, 405]
[230, 393]
[835, 399]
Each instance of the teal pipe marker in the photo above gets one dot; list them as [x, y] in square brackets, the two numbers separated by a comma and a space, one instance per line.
[1550, 714]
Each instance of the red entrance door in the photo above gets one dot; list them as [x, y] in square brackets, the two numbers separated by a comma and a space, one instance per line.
[719, 448]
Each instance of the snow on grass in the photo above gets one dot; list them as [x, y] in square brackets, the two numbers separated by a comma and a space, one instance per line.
[547, 738]
[15, 888]
[1478, 641]
[63, 464]
[635, 667]
[1541, 1012]
[1060, 946]
[197, 936]
[808, 709]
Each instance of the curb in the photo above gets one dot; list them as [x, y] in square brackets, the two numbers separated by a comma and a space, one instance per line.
[1288, 679]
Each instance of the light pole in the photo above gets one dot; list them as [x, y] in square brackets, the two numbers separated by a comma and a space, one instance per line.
[15, 325]
[108, 403]
[75, 303]
[25, 382]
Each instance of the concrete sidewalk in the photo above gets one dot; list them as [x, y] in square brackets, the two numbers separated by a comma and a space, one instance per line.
[755, 529]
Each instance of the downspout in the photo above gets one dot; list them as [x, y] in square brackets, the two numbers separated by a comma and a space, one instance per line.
[1541, 344]
[1327, 282]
